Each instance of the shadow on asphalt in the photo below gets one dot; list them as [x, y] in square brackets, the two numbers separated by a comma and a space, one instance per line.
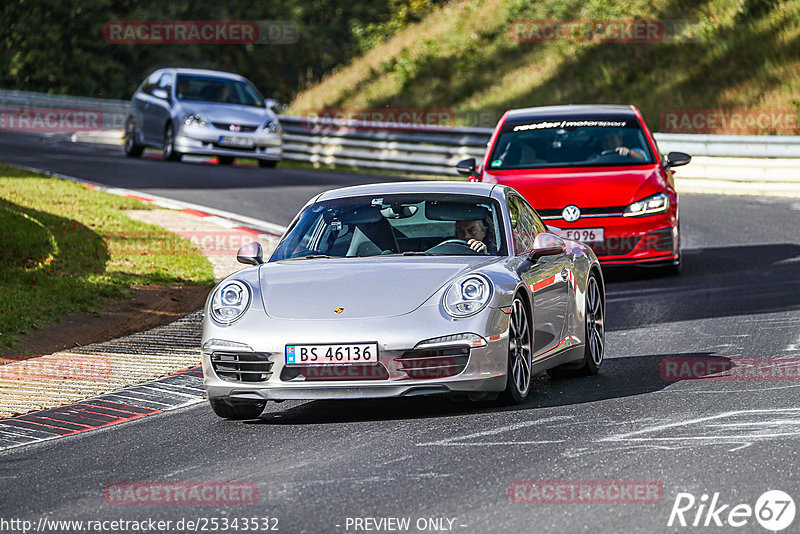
[716, 282]
[619, 377]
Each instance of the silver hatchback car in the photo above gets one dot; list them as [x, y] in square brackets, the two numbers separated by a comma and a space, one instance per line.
[203, 112]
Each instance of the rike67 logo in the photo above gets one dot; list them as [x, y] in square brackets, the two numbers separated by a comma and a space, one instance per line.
[774, 510]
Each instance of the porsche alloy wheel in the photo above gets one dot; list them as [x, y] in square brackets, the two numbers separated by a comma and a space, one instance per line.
[520, 348]
[595, 327]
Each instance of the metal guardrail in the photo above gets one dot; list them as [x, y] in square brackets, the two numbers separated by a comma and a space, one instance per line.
[434, 150]
[113, 112]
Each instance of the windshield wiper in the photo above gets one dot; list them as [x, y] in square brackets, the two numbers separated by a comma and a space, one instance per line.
[418, 253]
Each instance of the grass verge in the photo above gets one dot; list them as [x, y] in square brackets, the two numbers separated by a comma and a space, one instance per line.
[68, 249]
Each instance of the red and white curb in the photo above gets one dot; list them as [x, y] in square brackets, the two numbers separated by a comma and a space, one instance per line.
[225, 219]
[178, 390]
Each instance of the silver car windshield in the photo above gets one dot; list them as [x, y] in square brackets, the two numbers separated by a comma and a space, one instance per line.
[407, 224]
[549, 143]
[220, 90]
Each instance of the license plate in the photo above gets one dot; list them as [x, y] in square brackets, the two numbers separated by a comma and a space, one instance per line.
[586, 235]
[330, 354]
[235, 140]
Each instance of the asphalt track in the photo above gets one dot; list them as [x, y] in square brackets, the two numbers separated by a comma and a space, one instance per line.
[316, 464]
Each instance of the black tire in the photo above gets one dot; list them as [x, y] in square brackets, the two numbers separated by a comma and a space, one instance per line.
[132, 150]
[168, 145]
[225, 160]
[268, 163]
[520, 354]
[239, 411]
[595, 333]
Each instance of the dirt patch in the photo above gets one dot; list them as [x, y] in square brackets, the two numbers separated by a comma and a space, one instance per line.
[150, 307]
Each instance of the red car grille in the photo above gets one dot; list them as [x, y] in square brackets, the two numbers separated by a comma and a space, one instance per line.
[612, 211]
[657, 241]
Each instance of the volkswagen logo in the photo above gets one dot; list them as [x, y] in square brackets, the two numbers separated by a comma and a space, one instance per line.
[571, 213]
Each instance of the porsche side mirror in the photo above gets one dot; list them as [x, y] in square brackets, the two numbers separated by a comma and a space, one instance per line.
[250, 254]
[467, 167]
[676, 159]
[547, 245]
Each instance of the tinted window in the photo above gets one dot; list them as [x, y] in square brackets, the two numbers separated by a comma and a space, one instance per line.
[575, 143]
[220, 90]
[392, 224]
[150, 83]
[523, 224]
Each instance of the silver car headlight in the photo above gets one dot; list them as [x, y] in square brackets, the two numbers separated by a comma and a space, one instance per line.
[195, 120]
[658, 203]
[274, 127]
[230, 301]
[467, 296]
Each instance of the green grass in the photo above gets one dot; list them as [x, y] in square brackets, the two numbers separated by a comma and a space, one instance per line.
[733, 54]
[68, 249]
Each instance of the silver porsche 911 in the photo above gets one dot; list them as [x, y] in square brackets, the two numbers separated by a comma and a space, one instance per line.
[402, 289]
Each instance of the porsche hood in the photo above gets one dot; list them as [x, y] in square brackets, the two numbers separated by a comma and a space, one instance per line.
[356, 288]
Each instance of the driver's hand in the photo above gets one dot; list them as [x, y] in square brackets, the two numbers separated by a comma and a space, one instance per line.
[623, 151]
[477, 246]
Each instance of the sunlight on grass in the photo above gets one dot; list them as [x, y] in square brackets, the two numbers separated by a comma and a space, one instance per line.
[69, 249]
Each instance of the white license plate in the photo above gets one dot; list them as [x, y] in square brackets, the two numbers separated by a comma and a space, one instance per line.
[586, 235]
[338, 354]
[235, 140]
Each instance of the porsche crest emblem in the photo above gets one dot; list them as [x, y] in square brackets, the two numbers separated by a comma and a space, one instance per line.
[338, 309]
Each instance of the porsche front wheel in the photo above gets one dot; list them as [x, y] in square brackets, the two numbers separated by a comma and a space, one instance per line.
[520, 349]
[249, 410]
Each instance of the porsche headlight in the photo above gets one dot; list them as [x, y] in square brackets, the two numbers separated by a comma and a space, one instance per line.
[195, 120]
[230, 301]
[658, 203]
[467, 296]
[274, 127]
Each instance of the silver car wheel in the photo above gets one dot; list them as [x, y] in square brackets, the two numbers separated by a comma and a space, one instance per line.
[595, 329]
[169, 142]
[519, 348]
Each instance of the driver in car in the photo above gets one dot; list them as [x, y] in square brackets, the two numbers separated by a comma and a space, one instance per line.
[612, 142]
[474, 233]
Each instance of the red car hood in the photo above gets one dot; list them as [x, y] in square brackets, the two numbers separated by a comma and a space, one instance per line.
[586, 187]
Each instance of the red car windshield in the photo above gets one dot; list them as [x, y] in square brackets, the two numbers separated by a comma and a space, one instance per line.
[573, 143]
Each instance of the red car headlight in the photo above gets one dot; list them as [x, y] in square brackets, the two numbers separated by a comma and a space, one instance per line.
[658, 203]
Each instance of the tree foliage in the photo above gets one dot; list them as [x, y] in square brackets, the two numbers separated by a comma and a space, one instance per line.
[58, 46]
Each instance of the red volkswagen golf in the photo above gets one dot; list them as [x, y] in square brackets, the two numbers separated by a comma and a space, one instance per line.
[593, 172]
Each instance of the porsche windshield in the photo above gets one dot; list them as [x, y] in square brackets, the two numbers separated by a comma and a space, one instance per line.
[575, 143]
[407, 224]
